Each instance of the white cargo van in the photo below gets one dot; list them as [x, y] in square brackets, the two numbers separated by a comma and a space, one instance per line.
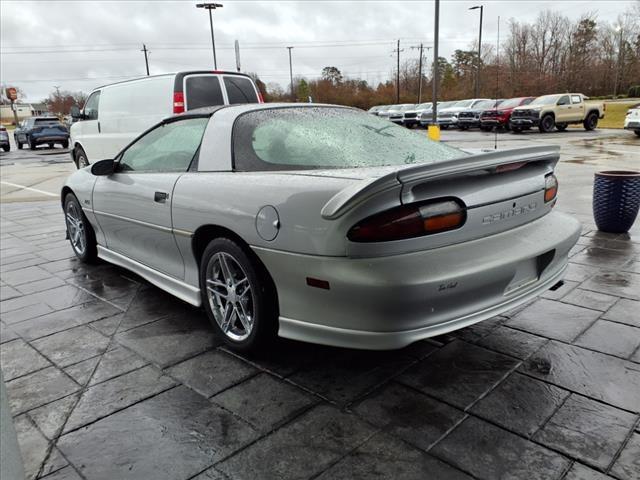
[116, 114]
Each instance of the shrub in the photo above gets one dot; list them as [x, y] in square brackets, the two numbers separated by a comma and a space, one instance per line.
[634, 91]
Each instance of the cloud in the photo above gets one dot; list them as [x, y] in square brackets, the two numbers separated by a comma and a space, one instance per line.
[81, 45]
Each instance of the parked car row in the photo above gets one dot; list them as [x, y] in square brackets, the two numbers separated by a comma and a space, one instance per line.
[547, 113]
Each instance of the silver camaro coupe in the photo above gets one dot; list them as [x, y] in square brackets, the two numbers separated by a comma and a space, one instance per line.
[323, 224]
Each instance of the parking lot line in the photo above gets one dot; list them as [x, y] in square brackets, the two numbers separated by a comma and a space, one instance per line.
[23, 187]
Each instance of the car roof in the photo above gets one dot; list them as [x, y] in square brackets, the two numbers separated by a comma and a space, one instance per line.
[181, 74]
[249, 107]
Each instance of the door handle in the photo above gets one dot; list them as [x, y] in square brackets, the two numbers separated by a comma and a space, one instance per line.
[160, 197]
[99, 131]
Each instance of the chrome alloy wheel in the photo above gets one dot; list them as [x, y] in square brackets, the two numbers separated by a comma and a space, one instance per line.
[229, 295]
[76, 228]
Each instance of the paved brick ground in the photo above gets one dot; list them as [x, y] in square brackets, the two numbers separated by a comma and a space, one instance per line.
[110, 378]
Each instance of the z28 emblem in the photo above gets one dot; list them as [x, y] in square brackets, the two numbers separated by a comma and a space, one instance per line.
[512, 212]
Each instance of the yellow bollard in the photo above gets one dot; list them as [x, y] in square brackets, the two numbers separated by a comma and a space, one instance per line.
[434, 133]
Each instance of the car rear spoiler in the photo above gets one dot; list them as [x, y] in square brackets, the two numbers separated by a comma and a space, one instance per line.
[360, 192]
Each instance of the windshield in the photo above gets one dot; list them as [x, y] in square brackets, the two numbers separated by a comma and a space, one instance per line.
[463, 104]
[325, 137]
[511, 103]
[485, 104]
[423, 106]
[546, 99]
[47, 121]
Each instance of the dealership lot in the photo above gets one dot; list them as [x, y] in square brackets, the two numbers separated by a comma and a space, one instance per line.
[109, 377]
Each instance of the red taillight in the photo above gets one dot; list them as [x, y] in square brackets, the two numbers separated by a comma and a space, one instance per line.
[260, 99]
[410, 221]
[178, 102]
[550, 187]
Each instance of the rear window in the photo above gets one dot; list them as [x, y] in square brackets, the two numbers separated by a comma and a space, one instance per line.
[323, 137]
[203, 91]
[47, 121]
[240, 90]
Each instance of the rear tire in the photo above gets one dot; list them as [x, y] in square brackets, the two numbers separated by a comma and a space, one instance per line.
[65, 144]
[6, 148]
[637, 132]
[79, 230]
[444, 127]
[516, 129]
[51, 145]
[591, 122]
[238, 296]
[547, 123]
[486, 129]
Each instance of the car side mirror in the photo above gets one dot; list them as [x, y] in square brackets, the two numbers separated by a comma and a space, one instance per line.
[103, 167]
[75, 113]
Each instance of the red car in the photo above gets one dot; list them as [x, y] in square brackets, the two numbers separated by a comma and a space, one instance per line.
[500, 116]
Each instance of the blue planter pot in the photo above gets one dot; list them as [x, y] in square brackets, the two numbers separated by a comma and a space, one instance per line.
[616, 200]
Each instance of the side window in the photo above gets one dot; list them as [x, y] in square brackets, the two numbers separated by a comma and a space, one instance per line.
[576, 99]
[564, 100]
[169, 147]
[91, 107]
[240, 90]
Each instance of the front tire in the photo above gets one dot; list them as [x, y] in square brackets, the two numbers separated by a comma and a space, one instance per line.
[6, 148]
[32, 144]
[591, 122]
[637, 132]
[444, 127]
[238, 296]
[547, 123]
[561, 127]
[516, 129]
[80, 158]
[79, 230]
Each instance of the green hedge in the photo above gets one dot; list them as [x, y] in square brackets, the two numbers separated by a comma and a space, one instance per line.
[634, 91]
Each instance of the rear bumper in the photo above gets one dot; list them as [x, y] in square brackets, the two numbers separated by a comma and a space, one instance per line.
[390, 302]
[50, 138]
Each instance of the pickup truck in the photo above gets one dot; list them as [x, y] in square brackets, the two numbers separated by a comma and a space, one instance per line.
[557, 111]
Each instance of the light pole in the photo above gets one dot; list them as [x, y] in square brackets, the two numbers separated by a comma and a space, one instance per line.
[293, 95]
[615, 83]
[434, 128]
[211, 6]
[481, 7]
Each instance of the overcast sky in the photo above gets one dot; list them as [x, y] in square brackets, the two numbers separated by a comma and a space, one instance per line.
[80, 45]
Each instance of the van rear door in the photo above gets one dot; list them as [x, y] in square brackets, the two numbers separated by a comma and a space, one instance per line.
[240, 89]
[202, 90]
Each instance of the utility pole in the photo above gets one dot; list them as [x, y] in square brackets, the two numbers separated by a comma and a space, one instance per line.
[210, 7]
[293, 96]
[420, 76]
[420, 47]
[398, 75]
[58, 100]
[478, 60]
[434, 129]
[146, 59]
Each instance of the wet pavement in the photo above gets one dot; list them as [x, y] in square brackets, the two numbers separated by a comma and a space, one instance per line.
[110, 378]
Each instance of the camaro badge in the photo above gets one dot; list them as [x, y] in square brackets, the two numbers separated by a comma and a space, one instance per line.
[512, 212]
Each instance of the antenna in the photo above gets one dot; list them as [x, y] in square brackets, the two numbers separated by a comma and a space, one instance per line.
[495, 141]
